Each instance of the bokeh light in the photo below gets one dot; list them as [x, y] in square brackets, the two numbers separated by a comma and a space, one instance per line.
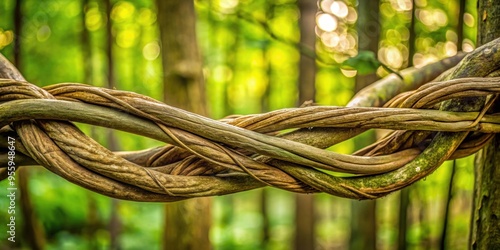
[339, 9]
[93, 19]
[151, 51]
[349, 72]
[127, 38]
[450, 48]
[433, 19]
[352, 16]
[326, 22]
[391, 56]
[146, 17]
[335, 29]
[325, 5]
[228, 6]
[402, 5]
[122, 11]
[43, 33]
[468, 45]
[6, 38]
[469, 19]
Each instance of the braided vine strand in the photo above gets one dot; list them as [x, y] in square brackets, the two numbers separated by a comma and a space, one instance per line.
[214, 157]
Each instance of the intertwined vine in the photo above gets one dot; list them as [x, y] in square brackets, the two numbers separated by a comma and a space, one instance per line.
[435, 117]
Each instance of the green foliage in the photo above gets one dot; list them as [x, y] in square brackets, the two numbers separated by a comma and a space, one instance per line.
[365, 62]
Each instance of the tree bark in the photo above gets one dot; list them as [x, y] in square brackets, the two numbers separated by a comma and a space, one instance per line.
[33, 231]
[265, 106]
[187, 223]
[92, 218]
[363, 213]
[115, 224]
[369, 36]
[404, 198]
[485, 226]
[307, 73]
[453, 175]
[182, 65]
[304, 203]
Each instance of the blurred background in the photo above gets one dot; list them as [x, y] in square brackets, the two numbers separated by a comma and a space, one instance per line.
[235, 57]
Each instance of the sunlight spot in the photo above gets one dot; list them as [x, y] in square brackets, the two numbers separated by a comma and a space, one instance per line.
[391, 56]
[433, 19]
[451, 36]
[469, 19]
[330, 39]
[43, 33]
[440, 18]
[349, 72]
[339, 9]
[467, 45]
[127, 38]
[425, 42]
[404, 33]
[228, 4]
[72, 9]
[93, 19]
[393, 35]
[387, 10]
[122, 11]
[6, 37]
[326, 22]
[421, 3]
[424, 16]
[352, 40]
[325, 5]
[344, 43]
[417, 169]
[402, 5]
[146, 17]
[151, 51]
[222, 73]
[450, 48]
[352, 16]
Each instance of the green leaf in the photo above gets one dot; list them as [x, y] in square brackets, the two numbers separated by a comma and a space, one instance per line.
[365, 62]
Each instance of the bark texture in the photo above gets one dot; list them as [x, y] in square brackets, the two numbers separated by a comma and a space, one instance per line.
[486, 214]
[182, 67]
[187, 223]
[304, 203]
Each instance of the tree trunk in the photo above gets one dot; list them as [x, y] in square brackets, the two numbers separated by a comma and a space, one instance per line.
[369, 36]
[363, 213]
[304, 222]
[404, 198]
[33, 230]
[453, 175]
[187, 223]
[485, 231]
[307, 73]
[115, 225]
[182, 65]
[92, 219]
[265, 105]
[304, 203]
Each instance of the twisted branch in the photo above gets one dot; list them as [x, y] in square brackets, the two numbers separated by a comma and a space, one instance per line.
[440, 120]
